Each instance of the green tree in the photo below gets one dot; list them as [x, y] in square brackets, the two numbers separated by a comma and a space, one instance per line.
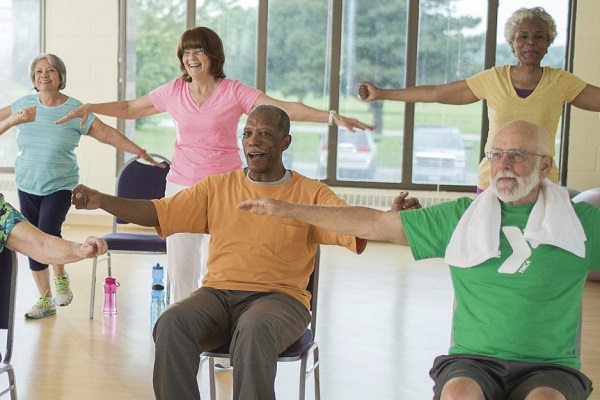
[297, 58]
[447, 49]
[236, 25]
[159, 23]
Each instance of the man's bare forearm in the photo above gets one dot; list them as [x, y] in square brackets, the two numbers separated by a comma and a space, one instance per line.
[140, 212]
[363, 222]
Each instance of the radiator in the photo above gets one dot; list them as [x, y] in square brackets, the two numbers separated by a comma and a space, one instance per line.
[382, 198]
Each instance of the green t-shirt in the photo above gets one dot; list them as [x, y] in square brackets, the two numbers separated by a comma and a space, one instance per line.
[530, 315]
[9, 217]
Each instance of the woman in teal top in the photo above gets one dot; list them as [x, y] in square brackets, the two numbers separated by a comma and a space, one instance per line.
[46, 166]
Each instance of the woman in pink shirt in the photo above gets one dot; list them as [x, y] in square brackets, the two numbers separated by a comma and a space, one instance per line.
[206, 108]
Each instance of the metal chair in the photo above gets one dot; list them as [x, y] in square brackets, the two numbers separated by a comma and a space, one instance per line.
[298, 351]
[135, 180]
[8, 287]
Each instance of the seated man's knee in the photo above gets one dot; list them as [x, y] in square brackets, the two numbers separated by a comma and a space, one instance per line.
[545, 393]
[254, 328]
[170, 320]
[462, 388]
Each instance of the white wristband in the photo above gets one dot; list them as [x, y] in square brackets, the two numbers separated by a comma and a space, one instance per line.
[331, 114]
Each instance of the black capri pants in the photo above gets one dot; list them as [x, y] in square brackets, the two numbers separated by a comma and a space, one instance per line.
[47, 213]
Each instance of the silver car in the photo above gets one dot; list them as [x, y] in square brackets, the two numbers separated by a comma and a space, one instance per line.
[356, 155]
[439, 155]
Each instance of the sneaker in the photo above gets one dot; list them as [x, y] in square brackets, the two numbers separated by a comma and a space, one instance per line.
[64, 295]
[222, 363]
[42, 308]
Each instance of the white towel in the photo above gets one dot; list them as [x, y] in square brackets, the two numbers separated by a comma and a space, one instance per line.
[477, 235]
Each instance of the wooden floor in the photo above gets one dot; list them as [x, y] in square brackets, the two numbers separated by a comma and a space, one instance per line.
[382, 320]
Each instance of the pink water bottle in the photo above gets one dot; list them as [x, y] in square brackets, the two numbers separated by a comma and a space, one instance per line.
[110, 295]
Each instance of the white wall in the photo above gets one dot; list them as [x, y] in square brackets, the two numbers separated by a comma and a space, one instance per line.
[84, 33]
[584, 145]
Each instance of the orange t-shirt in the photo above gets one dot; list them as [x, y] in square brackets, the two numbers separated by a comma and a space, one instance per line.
[247, 251]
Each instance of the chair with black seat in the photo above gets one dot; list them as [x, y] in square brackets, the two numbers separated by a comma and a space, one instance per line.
[135, 180]
[8, 286]
[298, 351]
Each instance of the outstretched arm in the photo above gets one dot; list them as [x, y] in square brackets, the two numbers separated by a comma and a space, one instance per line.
[456, 93]
[363, 222]
[140, 212]
[125, 109]
[9, 119]
[301, 112]
[25, 238]
[109, 135]
[588, 99]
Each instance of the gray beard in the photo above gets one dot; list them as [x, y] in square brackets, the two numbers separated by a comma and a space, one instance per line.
[524, 186]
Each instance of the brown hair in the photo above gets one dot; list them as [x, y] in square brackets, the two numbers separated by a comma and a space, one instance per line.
[206, 39]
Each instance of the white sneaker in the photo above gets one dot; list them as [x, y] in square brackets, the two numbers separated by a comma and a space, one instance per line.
[64, 295]
[42, 308]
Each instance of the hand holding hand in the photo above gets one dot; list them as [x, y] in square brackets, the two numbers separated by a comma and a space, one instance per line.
[93, 247]
[85, 198]
[402, 203]
[83, 112]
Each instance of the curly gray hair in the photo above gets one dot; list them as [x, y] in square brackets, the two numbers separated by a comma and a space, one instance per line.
[523, 14]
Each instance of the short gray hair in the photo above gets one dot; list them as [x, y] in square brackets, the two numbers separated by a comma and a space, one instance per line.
[283, 120]
[56, 62]
[523, 14]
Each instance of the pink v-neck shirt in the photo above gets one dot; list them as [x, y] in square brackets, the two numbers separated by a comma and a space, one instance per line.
[206, 142]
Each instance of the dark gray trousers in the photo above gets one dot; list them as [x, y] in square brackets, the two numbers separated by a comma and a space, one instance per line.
[259, 325]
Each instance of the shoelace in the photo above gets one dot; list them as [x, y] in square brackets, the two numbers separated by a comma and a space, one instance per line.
[43, 301]
[62, 284]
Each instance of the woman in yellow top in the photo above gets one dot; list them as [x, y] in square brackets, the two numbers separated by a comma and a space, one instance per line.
[525, 91]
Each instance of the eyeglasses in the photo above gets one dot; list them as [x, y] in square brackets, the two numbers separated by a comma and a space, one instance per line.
[193, 52]
[514, 155]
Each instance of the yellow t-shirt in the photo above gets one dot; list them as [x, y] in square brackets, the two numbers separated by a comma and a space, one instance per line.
[542, 107]
[247, 251]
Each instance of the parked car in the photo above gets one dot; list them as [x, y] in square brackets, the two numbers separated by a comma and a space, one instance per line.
[356, 155]
[439, 155]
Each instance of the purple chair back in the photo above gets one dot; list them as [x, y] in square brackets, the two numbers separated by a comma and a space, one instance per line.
[137, 180]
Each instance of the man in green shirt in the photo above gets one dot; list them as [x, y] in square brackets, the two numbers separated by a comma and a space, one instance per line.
[519, 255]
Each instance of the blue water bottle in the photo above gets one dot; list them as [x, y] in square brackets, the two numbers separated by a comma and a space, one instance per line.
[157, 274]
[158, 302]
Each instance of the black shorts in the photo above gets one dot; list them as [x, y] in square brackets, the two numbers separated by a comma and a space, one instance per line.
[510, 380]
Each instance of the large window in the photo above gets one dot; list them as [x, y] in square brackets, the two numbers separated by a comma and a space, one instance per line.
[152, 30]
[20, 43]
[446, 138]
[317, 52]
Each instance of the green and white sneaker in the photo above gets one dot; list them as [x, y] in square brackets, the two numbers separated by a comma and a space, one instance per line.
[42, 308]
[64, 295]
